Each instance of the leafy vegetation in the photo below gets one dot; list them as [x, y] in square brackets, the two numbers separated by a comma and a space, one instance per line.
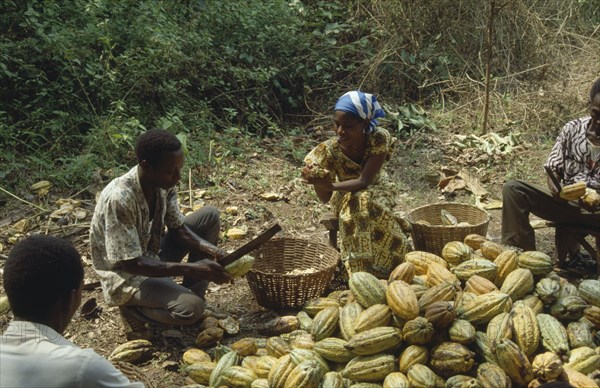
[81, 79]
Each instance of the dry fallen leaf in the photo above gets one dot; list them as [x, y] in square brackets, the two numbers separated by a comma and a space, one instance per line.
[41, 188]
[21, 226]
[271, 196]
[79, 213]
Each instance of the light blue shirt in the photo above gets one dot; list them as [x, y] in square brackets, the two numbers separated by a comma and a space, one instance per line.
[34, 355]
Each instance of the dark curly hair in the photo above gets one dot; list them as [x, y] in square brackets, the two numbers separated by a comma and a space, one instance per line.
[595, 90]
[152, 144]
[40, 271]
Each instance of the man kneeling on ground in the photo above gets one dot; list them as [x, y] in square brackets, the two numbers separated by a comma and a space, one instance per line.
[133, 256]
[43, 279]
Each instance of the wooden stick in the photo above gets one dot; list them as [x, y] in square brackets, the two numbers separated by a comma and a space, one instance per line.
[21, 199]
[3, 257]
[190, 188]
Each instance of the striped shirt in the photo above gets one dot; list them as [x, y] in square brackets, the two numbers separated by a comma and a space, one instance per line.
[571, 156]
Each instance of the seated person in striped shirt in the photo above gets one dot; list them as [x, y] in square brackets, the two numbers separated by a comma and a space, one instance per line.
[575, 157]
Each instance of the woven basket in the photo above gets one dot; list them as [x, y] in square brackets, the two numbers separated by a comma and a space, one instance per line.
[432, 238]
[275, 288]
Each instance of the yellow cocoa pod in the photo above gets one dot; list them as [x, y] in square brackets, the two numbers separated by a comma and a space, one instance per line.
[396, 380]
[413, 354]
[367, 289]
[236, 377]
[539, 263]
[498, 328]
[405, 272]
[491, 376]
[573, 191]
[437, 274]
[450, 358]
[547, 366]
[506, 262]
[313, 306]
[280, 371]
[278, 347]
[193, 356]
[591, 314]
[443, 292]
[514, 362]
[584, 360]
[534, 302]
[245, 347]
[554, 334]
[332, 380]
[474, 241]
[402, 300]
[418, 331]
[240, 267]
[580, 334]
[577, 379]
[226, 361]
[307, 374]
[484, 307]
[518, 283]
[200, 371]
[375, 316]
[376, 340]
[547, 290]
[348, 315]
[279, 325]
[421, 261]
[334, 349]
[482, 267]
[490, 250]
[421, 376]
[369, 368]
[462, 331]
[209, 336]
[526, 331]
[589, 290]
[132, 351]
[325, 323]
[479, 285]
[455, 252]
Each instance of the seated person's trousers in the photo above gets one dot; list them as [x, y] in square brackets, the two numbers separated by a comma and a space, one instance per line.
[162, 300]
[519, 199]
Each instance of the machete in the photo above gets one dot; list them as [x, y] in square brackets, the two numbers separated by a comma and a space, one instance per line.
[250, 245]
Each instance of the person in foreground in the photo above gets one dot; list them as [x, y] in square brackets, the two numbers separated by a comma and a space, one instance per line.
[135, 258]
[348, 172]
[43, 280]
[575, 157]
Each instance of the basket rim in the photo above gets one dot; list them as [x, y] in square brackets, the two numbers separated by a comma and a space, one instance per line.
[486, 221]
[332, 253]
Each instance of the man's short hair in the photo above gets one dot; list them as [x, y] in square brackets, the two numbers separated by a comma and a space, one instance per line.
[595, 90]
[40, 270]
[154, 143]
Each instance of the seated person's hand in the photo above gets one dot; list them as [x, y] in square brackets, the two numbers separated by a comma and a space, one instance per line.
[208, 270]
[590, 201]
[220, 253]
[314, 174]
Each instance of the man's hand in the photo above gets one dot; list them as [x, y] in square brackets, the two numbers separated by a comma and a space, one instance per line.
[208, 270]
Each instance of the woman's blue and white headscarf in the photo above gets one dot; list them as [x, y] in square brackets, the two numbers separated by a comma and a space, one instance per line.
[363, 105]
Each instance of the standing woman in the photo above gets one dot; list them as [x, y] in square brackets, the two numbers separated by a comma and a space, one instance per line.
[347, 171]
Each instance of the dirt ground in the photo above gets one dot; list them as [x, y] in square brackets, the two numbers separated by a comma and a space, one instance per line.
[237, 183]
